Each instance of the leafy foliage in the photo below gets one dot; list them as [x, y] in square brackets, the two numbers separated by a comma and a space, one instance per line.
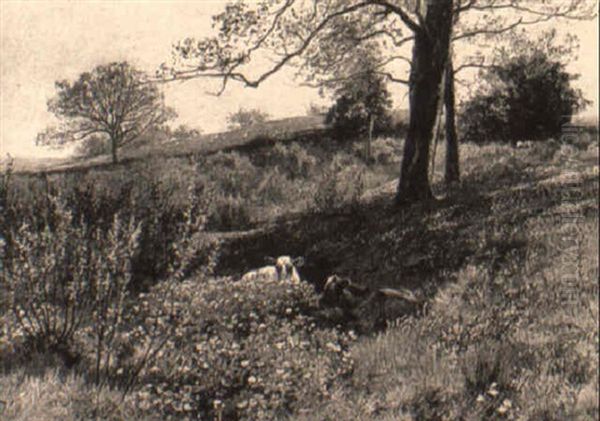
[240, 350]
[113, 100]
[527, 96]
[67, 277]
[244, 119]
[184, 133]
[94, 146]
[361, 98]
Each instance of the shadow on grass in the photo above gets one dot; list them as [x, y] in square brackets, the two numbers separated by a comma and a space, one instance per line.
[420, 246]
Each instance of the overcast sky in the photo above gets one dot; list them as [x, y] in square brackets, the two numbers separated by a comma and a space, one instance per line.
[44, 41]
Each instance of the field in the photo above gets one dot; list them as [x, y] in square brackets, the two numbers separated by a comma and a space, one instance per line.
[121, 300]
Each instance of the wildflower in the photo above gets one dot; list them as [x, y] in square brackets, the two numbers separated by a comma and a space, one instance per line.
[493, 392]
[333, 347]
[245, 363]
[251, 380]
[504, 407]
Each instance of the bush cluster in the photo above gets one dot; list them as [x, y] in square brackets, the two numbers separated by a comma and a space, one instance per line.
[528, 97]
[236, 350]
[341, 184]
[156, 198]
[67, 281]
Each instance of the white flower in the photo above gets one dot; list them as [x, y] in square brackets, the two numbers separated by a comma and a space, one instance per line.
[493, 392]
[504, 407]
[333, 347]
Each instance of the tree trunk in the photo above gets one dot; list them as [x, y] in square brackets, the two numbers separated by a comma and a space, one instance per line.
[429, 57]
[114, 144]
[370, 139]
[437, 131]
[452, 174]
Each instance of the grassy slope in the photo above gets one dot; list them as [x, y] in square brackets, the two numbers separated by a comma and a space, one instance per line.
[509, 263]
[511, 330]
[508, 331]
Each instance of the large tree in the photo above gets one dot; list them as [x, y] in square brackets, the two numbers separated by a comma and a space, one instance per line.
[321, 36]
[316, 36]
[113, 102]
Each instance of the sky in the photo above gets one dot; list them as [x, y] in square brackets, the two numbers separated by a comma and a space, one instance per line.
[44, 41]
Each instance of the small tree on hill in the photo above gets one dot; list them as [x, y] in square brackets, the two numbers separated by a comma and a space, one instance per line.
[526, 96]
[361, 99]
[244, 119]
[112, 102]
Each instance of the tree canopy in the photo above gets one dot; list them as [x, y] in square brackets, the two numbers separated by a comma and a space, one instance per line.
[114, 102]
[358, 100]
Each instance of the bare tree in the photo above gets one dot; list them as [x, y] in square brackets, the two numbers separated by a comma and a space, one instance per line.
[113, 101]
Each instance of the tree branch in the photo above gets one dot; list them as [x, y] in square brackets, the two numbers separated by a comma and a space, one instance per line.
[401, 13]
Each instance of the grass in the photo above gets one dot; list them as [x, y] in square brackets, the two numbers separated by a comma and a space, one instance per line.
[508, 263]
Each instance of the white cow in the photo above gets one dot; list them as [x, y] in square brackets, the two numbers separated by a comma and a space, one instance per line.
[284, 268]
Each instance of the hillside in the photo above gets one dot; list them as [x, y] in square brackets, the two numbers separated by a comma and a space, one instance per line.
[505, 265]
[268, 132]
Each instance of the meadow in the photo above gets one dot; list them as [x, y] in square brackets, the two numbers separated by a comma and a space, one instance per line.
[121, 300]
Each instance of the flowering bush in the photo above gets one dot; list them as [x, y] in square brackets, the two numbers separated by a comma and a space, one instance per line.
[236, 350]
[65, 277]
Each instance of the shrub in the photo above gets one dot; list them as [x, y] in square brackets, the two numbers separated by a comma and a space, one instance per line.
[184, 133]
[292, 159]
[67, 277]
[384, 150]
[155, 193]
[341, 184]
[240, 350]
[528, 95]
[228, 212]
[244, 119]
